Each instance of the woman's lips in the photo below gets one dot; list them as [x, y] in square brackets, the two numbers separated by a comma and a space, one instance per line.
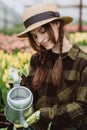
[45, 44]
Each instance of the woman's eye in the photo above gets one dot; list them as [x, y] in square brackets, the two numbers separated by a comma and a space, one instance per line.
[43, 30]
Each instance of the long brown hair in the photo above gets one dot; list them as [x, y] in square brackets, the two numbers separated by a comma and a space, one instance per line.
[41, 71]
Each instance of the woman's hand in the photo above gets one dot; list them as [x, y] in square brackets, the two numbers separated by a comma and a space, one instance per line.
[48, 113]
[35, 117]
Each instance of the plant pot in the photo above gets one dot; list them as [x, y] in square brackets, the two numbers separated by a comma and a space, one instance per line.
[4, 123]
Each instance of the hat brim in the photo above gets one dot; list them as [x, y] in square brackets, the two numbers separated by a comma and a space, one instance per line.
[66, 20]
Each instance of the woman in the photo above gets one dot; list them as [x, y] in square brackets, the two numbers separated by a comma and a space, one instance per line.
[58, 70]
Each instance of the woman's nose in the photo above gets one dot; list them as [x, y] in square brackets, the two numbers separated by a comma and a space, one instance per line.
[40, 39]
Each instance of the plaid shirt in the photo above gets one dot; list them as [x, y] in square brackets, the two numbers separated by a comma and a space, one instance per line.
[66, 105]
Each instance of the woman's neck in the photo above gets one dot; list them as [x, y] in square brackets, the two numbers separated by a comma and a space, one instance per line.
[67, 45]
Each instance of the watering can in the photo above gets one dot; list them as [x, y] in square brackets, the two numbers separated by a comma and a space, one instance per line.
[19, 102]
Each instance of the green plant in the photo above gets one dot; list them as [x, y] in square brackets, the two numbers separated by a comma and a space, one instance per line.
[10, 31]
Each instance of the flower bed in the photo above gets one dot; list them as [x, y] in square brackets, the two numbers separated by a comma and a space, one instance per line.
[12, 43]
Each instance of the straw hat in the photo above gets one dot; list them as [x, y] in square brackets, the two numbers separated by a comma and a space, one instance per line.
[40, 14]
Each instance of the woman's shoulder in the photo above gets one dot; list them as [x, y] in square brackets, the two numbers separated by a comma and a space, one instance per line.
[82, 54]
[82, 58]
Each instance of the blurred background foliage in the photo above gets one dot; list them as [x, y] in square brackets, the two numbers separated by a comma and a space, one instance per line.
[10, 31]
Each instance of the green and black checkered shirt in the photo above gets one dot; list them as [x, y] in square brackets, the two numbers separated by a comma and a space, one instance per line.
[68, 104]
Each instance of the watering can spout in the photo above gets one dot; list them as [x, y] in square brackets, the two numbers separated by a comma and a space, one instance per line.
[22, 120]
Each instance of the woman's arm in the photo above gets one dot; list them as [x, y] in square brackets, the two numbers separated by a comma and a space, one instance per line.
[72, 111]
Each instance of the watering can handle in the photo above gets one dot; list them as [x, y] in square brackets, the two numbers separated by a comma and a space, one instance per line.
[14, 75]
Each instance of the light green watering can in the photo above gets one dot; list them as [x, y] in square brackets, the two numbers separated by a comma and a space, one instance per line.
[19, 102]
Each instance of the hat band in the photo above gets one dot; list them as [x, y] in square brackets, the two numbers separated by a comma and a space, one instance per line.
[40, 17]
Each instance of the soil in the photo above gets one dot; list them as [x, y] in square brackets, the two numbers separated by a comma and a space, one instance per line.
[4, 123]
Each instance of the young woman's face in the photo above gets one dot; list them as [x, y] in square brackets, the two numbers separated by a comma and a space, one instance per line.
[42, 38]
